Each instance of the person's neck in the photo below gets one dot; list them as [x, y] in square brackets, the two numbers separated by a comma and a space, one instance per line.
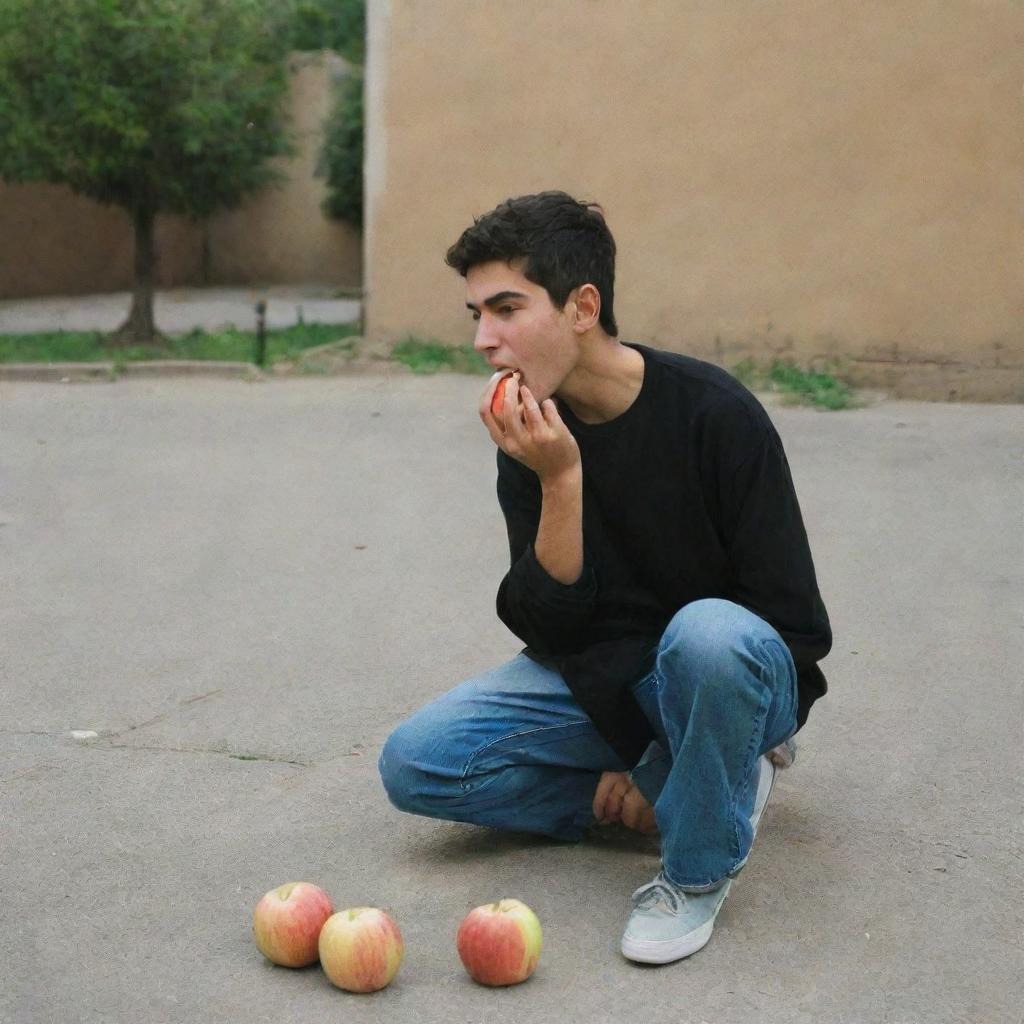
[606, 381]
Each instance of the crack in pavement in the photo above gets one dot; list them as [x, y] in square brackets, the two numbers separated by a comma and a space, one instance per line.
[203, 750]
[165, 714]
[101, 744]
[119, 732]
[29, 771]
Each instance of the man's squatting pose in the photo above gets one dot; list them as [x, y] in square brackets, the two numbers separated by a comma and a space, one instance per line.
[660, 577]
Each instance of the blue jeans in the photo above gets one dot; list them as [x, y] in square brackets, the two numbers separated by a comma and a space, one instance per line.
[512, 749]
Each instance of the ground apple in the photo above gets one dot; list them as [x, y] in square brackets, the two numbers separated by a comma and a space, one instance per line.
[361, 949]
[499, 943]
[287, 921]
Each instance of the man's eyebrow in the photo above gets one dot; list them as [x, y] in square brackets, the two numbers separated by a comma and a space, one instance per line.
[500, 297]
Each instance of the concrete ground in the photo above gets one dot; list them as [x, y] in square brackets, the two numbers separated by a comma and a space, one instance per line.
[241, 588]
[178, 310]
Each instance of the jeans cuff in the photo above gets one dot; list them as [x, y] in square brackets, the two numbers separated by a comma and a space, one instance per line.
[696, 890]
[650, 775]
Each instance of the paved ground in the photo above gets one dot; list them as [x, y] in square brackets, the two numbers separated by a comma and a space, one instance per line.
[242, 588]
[180, 309]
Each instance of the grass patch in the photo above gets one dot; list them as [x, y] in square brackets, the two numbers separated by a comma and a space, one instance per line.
[433, 357]
[809, 387]
[806, 387]
[229, 345]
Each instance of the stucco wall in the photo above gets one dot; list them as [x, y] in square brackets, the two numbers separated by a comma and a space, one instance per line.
[809, 178]
[57, 243]
[282, 235]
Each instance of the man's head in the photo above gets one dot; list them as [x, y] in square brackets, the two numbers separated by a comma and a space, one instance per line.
[553, 240]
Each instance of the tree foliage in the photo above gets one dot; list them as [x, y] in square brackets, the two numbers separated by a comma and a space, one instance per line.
[170, 106]
[342, 156]
[338, 25]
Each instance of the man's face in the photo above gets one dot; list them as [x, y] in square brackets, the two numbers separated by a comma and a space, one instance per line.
[519, 328]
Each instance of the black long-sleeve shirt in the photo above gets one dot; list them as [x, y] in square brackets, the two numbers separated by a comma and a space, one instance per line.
[686, 495]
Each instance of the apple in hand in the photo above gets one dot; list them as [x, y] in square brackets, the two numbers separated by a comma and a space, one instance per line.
[361, 949]
[287, 921]
[498, 399]
[499, 943]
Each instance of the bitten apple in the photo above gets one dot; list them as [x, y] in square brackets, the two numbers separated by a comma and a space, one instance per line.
[287, 921]
[499, 943]
[498, 399]
[361, 949]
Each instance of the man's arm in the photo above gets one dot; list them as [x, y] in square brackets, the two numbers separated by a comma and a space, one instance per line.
[559, 544]
[548, 594]
[546, 613]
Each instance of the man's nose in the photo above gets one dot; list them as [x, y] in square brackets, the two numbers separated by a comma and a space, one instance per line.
[484, 339]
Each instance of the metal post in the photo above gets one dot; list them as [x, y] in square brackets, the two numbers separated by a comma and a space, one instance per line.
[261, 333]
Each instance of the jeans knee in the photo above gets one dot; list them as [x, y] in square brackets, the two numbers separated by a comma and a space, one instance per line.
[702, 628]
[711, 638]
[418, 775]
[396, 773]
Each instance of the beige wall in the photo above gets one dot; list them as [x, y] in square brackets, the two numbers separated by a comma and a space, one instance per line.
[53, 242]
[282, 235]
[57, 243]
[809, 178]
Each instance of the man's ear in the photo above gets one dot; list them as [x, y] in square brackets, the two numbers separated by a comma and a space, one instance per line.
[588, 307]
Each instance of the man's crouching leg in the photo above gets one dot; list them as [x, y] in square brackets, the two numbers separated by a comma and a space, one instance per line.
[510, 749]
[724, 692]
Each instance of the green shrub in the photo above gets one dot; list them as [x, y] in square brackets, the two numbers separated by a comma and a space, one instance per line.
[811, 387]
[338, 25]
[341, 160]
[433, 356]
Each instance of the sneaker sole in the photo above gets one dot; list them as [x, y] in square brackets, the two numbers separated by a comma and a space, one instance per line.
[665, 951]
[761, 803]
[761, 799]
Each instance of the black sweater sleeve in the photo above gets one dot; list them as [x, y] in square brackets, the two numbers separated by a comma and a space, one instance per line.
[773, 572]
[549, 616]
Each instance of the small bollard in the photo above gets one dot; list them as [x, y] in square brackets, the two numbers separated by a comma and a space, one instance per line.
[261, 333]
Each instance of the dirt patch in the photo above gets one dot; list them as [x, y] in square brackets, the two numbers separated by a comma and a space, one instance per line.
[350, 355]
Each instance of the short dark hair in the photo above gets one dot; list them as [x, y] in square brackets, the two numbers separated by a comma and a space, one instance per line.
[563, 243]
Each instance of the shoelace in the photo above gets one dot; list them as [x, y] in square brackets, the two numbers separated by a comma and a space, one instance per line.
[657, 891]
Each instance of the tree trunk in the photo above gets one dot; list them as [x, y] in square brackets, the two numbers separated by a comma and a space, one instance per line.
[140, 327]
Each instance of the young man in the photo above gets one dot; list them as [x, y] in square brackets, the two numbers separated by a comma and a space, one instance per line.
[660, 577]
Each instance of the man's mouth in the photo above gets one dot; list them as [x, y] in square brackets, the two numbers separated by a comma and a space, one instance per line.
[508, 371]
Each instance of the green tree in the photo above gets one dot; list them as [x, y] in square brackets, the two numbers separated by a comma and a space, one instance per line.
[341, 159]
[155, 106]
[339, 25]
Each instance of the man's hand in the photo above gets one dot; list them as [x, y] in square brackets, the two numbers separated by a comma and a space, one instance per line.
[618, 800]
[533, 434]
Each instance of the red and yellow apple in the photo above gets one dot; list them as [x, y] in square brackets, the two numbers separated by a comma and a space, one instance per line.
[287, 921]
[361, 949]
[499, 943]
[498, 398]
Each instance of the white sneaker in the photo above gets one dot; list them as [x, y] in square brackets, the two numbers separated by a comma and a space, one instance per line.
[765, 785]
[668, 924]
